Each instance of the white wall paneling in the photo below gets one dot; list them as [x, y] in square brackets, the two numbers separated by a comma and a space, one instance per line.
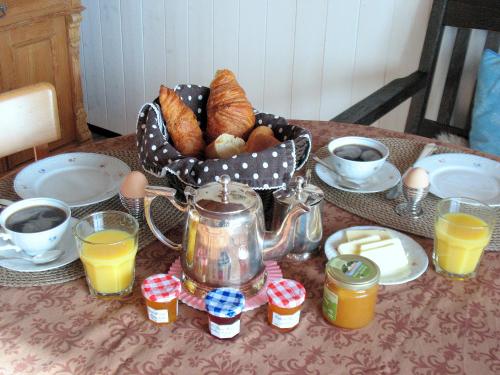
[93, 64]
[112, 57]
[308, 59]
[133, 60]
[280, 40]
[252, 49]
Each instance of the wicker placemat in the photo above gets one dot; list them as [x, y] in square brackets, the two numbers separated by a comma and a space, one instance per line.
[164, 214]
[377, 208]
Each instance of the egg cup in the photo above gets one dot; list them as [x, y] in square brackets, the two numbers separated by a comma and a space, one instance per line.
[413, 205]
[134, 206]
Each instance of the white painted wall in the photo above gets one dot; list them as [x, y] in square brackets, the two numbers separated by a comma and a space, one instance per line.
[302, 59]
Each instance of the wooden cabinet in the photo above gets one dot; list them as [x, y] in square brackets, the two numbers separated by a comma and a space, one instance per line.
[40, 41]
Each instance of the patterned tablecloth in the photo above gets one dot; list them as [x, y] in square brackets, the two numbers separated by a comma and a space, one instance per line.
[428, 326]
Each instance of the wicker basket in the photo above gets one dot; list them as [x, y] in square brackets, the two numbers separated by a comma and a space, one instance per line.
[264, 171]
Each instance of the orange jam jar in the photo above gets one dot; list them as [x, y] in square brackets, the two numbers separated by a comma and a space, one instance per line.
[285, 298]
[350, 291]
[224, 307]
[161, 293]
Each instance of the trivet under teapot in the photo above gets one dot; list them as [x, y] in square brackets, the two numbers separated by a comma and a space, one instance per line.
[273, 271]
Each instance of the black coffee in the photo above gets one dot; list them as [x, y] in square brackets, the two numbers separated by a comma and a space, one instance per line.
[358, 153]
[35, 219]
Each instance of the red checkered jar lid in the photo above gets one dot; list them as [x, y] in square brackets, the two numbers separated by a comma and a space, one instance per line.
[161, 288]
[286, 293]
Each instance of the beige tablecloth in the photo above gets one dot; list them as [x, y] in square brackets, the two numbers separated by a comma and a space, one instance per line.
[428, 326]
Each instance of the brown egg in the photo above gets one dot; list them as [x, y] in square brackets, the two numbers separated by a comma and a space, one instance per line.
[133, 185]
[416, 178]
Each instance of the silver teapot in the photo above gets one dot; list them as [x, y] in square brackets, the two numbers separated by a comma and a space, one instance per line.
[308, 230]
[224, 242]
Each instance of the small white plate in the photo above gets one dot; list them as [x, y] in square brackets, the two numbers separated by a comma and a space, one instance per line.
[417, 257]
[78, 178]
[387, 177]
[463, 175]
[68, 244]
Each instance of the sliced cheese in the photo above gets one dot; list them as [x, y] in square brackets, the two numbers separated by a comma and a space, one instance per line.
[390, 257]
[352, 247]
[374, 245]
[355, 234]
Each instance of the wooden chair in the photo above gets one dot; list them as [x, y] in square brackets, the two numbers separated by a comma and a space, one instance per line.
[29, 118]
[463, 14]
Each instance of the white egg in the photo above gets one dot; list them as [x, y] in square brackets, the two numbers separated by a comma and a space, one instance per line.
[416, 178]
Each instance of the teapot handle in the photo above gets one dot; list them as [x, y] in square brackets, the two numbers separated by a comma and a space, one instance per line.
[153, 192]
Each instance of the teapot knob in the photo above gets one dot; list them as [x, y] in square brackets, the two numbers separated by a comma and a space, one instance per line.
[225, 180]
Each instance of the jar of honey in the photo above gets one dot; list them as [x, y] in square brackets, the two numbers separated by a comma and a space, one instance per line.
[350, 291]
[224, 307]
[285, 298]
[161, 293]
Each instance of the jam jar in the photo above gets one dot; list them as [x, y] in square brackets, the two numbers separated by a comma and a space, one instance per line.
[161, 293]
[350, 291]
[285, 300]
[224, 307]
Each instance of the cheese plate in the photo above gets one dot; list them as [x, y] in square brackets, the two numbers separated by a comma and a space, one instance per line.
[417, 257]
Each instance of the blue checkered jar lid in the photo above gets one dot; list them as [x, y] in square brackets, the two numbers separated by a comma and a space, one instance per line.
[224, 302]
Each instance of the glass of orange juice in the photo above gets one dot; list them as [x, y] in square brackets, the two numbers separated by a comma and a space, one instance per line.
[107, 244]
[462, 230]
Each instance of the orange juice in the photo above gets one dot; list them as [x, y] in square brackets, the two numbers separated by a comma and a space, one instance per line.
[109, 257]
[460, 241]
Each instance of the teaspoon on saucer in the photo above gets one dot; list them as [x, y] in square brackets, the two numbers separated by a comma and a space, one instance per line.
[47, 257]
[339, 180]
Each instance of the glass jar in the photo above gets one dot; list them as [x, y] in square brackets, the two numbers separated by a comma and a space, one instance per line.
[161, 293]
[224, 307]
[350, 291]
[285, 300]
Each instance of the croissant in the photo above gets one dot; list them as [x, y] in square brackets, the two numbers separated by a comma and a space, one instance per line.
[182, 125]
[228, 109]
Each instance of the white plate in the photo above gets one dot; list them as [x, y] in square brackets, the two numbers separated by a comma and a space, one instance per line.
[79, 178]
[463, 175]
[417, 257]
[68, 244]
[387, 177]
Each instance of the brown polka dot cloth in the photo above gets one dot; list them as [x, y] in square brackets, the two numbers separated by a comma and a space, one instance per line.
[265, 170]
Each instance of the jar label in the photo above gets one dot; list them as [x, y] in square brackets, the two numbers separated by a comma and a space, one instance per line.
[353, 268]
[158, 316]
[330, 304]
[224, 331]
[286, 321]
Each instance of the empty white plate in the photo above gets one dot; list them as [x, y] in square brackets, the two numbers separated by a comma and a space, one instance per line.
[417, 257]
[463, 175]
[79, 178]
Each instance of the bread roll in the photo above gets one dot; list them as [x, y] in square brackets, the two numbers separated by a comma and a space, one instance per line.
[182, 125]
[225, 146]
[261, 138]
[228, 109]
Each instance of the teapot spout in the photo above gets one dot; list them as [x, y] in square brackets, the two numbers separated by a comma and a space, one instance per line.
[276, 242]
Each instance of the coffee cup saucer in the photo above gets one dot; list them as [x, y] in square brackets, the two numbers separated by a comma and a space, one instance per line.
[385, 178]
[67, 244]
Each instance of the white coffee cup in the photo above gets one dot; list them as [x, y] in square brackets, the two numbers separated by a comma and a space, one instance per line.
[34, 243]
[357, 171]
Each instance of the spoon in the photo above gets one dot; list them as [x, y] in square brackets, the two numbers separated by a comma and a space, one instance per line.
[339, 180]
[47, 257]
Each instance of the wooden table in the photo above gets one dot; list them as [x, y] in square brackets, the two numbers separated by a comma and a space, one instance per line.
[428, 326]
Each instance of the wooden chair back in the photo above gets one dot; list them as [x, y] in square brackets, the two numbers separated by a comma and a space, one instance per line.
[29, 118]
[465, 15]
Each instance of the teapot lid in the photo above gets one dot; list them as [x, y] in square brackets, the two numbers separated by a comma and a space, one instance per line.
[300, 191]
[225, 196]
